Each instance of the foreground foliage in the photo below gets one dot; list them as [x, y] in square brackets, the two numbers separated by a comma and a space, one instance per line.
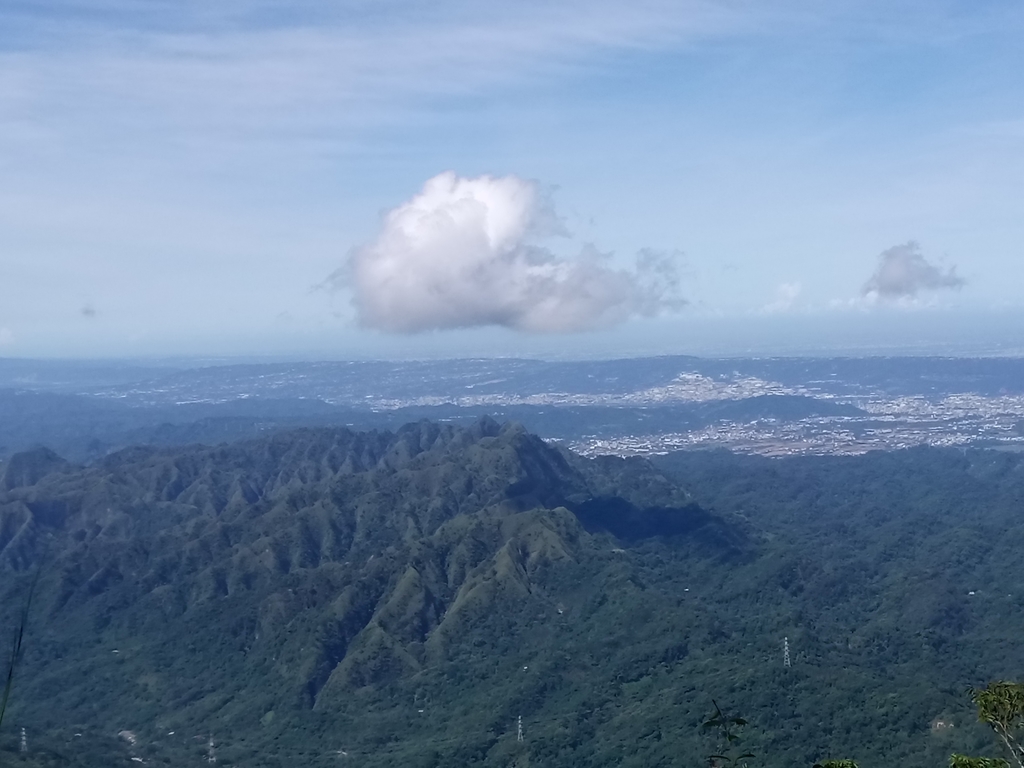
[1000, 706]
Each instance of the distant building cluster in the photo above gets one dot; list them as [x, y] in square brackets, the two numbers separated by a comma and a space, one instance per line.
[904, 422]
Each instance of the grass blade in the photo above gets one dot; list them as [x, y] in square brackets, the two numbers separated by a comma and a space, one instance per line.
[19, 637]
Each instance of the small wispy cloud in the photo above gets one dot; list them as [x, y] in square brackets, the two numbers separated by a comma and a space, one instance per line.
[786, 296]
[903, 273]
[467, 252]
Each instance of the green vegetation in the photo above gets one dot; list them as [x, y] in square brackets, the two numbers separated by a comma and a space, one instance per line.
[727, 732]
[1001, 706]
[960, 761]
[404, 598]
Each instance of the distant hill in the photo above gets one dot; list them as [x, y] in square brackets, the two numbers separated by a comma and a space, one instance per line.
[330, 597]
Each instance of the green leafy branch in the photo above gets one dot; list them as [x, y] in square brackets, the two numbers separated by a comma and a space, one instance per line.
[1001, 706]
[962, 761]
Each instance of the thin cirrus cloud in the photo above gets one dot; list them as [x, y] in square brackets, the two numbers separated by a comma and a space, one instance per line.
[107, 70]
[466, 252]
[903, 273]
[296, 68]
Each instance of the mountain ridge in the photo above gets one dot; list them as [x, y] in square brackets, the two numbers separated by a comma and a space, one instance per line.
[331, 561]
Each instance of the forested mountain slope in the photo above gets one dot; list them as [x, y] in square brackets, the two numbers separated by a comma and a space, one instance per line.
[266, 589]
[327, 597]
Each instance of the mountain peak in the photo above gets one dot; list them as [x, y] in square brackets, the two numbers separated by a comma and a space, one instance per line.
[27, 468]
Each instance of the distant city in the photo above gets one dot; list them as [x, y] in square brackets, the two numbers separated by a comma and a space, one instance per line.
[643, 406]
[887, 423]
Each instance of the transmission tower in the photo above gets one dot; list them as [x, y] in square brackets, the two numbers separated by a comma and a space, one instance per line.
[211, 755]
[24, 741]
[519, 732]
[785, 653]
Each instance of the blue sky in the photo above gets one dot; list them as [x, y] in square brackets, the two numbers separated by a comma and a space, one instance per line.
[177, 178]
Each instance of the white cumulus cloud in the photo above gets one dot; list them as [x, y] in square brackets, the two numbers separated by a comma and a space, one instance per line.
[467, 252]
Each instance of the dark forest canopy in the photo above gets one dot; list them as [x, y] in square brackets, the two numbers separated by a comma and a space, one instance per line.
[404, 597]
